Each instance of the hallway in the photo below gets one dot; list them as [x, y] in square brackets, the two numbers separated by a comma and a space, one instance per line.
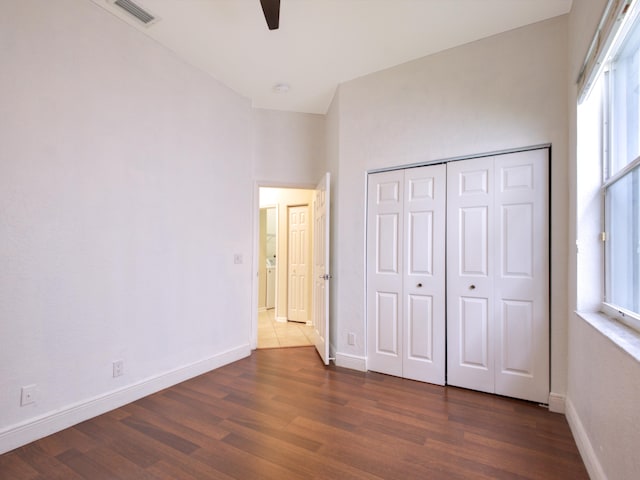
[273, 334]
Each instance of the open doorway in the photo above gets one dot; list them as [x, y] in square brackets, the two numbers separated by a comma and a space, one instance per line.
[285, 267]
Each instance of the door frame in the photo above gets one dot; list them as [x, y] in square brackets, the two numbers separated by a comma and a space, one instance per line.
[253, 340]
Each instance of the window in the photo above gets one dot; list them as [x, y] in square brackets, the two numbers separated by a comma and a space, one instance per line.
[621, 172]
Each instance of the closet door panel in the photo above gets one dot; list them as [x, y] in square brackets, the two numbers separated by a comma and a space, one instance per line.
[420, 328]
[473, 236]
[522, 275]
[498, 275]
[386, 324]
[387, 243]
[517, 348]
[474, 339]
[385, 224]
[470, 265]
[424, 274]
[420, 243]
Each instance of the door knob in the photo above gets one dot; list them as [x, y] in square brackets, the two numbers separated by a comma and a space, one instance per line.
[472, 287]
[419, 285]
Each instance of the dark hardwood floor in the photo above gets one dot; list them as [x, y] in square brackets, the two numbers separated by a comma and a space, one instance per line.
[280, 414]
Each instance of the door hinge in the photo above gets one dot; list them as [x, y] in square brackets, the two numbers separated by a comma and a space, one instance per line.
[603, 236]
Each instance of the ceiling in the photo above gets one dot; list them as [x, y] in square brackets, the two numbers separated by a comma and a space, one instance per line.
[321, 43]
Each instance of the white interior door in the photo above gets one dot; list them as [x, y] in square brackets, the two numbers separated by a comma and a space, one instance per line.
[298, 278]
[321, 271]
[521, 282]
[385, 277]
[406, 273]
[470, 260]
[498, 275]
[423, 293]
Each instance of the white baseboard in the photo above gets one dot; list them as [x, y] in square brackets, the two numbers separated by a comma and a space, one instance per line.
[588, 454]
[556, 403]
[351, 361]
[39, 427]
[282, 319]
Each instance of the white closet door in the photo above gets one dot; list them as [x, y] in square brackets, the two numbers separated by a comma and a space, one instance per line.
[470, 260]
[424, 274]
[521, 284]
[498, 275]
[384, 272]
[406, 273]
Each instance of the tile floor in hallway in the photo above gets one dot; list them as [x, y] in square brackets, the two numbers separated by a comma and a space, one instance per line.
[273, 334]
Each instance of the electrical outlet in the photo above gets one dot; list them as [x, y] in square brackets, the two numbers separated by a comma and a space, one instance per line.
[237, 258]
[118, 368]
[351, 338]
[27, 395]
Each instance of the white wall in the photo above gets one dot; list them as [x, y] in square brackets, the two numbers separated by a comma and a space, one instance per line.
[120, 167]
[603, 386]
[288, 148]
[504, 92]
[602, 403]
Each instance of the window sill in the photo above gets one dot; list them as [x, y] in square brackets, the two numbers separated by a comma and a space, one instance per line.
[625, 338]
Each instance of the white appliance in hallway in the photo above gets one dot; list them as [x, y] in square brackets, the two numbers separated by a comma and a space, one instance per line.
[271, 288]
[271, 243]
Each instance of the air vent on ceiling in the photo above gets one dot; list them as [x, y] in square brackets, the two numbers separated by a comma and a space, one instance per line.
[136, 11]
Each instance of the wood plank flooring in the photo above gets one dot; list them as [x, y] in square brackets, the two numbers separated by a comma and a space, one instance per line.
[280, 414]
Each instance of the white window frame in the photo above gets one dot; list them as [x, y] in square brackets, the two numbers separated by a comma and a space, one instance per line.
[629, 318]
